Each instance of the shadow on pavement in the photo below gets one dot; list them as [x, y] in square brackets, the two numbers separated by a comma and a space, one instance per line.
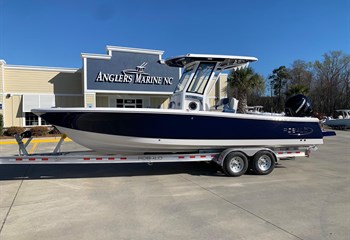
[61, 171]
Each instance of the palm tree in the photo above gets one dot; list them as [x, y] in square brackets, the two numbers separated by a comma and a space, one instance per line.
[245, 81]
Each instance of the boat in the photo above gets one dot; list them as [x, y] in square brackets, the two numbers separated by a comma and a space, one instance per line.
[342, 122]
[259, 111]
[254, 109]
[187, 125]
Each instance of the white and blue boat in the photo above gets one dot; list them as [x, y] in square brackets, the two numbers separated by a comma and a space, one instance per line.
[188, 125]
[342, 122]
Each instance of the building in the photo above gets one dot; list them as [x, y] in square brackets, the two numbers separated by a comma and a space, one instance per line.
[123, 77]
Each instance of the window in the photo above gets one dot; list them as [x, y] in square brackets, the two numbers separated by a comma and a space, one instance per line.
[120, 103]
[184, 78]
[201, 78]
[31, 101]
[31, 119]
[129, 103]
[43, 122]
[139, 103]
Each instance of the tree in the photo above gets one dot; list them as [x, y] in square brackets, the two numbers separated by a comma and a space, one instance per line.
[297, 89]
[330, 90]
[244, 82]
[300, 73]
[279, 79]
[325, 81]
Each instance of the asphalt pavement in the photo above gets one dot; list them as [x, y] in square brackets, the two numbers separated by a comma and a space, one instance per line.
[305, 198]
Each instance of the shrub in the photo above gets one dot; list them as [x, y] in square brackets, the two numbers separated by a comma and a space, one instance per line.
[39, 131]
[1, 124]
[14, 130]
[54, 130]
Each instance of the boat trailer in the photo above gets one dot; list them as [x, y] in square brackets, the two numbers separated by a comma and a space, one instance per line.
[233, 161]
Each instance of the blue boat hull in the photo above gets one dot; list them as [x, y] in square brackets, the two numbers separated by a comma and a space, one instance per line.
[174, 126]
[157, 131]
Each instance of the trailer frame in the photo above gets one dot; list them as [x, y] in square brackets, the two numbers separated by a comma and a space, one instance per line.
[233, 161]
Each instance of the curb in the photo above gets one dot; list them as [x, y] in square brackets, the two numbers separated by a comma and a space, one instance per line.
[35, 140]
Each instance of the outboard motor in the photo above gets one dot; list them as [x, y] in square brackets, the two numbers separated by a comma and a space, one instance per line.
[298, 106]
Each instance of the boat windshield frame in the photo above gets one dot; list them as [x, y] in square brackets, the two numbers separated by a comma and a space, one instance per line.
[185, 77]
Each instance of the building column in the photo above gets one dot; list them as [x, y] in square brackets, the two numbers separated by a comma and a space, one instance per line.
[90, 100]
[2, 89]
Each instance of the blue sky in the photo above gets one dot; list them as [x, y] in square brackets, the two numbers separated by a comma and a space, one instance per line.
[54, 33]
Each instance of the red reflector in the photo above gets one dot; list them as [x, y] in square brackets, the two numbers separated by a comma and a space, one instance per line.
[181, 157]
[123, 158]
[44, 159]
[86, 158]
[19, 159]
[192, 156]
[31, 159]
[289, 152]
[280, 152]
[297, 152]
[98, 158]
[203, 156]
[111, 158]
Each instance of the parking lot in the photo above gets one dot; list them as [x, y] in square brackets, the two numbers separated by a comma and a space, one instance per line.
[305, 198]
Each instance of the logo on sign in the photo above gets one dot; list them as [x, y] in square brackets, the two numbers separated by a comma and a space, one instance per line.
[138, 70]
[137, 76]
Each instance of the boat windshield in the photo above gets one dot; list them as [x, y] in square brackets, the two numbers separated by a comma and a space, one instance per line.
[184, 78]
[344, 113]
[201, 78]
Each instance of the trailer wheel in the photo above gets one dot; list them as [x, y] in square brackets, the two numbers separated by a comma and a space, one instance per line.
[263, 162]
[235, 164]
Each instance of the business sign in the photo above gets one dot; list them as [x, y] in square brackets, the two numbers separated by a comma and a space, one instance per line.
[130, 71]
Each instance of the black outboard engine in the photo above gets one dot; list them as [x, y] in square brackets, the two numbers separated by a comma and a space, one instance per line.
[298, 106]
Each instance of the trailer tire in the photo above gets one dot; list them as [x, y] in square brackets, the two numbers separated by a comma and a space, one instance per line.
[235, 164]
[263, 162]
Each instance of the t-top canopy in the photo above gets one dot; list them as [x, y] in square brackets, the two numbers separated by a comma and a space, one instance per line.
[226, 61]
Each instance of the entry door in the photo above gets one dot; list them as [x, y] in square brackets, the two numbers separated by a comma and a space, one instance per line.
[129, 103]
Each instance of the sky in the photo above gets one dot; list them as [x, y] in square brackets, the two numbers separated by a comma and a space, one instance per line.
[277, 32]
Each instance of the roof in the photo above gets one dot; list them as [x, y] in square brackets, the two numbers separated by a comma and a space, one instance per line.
[226, 61]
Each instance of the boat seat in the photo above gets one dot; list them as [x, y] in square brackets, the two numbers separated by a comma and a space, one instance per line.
[227, 109]
[229, 105]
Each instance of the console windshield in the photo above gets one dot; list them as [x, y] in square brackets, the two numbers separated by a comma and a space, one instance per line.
[184, 78]
[201, 78]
